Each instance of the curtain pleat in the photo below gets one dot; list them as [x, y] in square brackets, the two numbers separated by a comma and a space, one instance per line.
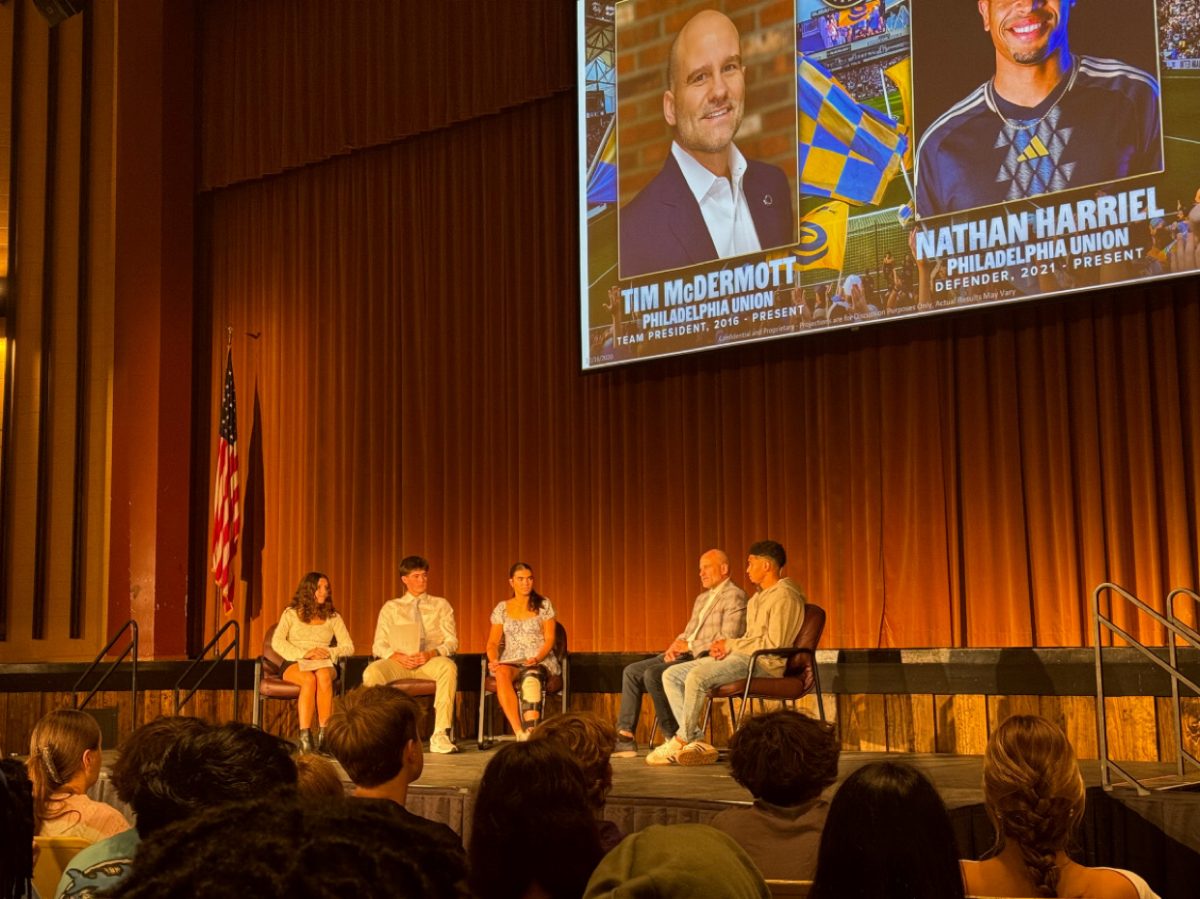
[288, 83]
[960, 480]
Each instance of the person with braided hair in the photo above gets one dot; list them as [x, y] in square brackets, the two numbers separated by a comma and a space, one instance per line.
[64, 763]
[1034, 796]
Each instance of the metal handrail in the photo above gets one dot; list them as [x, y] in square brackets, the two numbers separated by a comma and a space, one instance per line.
[235, 647]
[132, 648]
[1193, 636]
[1174, 627]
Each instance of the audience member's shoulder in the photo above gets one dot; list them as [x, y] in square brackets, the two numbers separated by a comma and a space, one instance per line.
[1114, 883]
[677, 860]
[434, 830]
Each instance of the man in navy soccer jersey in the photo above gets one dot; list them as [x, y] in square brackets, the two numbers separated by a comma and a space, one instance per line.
[1047, 121]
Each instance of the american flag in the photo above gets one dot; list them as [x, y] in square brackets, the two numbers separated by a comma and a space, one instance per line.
[227, 522]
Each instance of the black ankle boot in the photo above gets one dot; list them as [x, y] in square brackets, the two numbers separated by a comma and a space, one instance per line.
[322, 749]
[306, 744]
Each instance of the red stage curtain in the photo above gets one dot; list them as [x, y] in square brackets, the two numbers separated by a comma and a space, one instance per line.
[290, 82]
[961, 480]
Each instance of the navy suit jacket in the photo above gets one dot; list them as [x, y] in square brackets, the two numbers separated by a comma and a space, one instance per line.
[663, 228]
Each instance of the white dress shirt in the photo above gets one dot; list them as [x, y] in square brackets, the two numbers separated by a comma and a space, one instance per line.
[438, 632]
[722, 202]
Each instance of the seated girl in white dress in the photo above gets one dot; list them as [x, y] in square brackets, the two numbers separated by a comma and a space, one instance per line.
[525, 625]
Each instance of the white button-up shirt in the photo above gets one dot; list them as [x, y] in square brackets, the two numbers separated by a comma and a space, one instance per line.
[722, 202]
[437, 622]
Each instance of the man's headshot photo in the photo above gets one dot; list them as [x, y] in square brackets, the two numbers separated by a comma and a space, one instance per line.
[1050, 116]
[693, 184]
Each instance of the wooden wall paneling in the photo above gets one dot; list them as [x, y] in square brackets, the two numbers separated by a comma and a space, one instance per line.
[1002, 707]
[910, 723]
[862, 721]
[961, 724]
[1132, 731]
[900, 730]
[1164, 716]
[1191, 725]
[1077, 716]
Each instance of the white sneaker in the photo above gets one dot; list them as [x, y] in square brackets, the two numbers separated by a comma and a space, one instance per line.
[522, 736]
[441, 743]
[697, 752]
[664, 754]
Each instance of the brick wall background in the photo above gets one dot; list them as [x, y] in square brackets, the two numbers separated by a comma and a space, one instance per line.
[645, 29]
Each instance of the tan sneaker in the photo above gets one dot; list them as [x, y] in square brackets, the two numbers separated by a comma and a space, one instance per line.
[664, 754]
[441, 743]
[697, 752]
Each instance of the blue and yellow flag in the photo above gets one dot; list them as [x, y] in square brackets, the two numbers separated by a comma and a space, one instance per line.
[901, 75]
[602, 179]
[848, 151]
[823, 237]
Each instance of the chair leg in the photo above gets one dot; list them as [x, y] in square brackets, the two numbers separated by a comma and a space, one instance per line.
[706, 727]
[653, 730]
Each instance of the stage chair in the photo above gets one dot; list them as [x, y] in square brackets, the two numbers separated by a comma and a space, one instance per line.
[56, 853]
[789, 888]
[558, 683]
[800, 676]
[269, 682]
[419, 688]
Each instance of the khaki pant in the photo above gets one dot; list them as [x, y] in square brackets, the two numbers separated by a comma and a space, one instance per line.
[439, 669]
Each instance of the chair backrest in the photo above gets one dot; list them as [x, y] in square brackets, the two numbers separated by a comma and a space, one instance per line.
[800, 665]
[560, 641]
[271, 659]
[56, 853]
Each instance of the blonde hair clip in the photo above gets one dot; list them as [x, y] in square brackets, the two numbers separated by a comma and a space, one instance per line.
[44, 754]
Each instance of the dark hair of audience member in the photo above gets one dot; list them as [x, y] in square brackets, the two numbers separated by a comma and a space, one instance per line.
[887, 836]
[533, 825]
[56, 748]
[784, 758]
[590, 740]
[283, 846]
[368, 731]
[1033, 792]
[210, 766]
[536, 600]
[16, 825]
[135, 772]
[317, 777]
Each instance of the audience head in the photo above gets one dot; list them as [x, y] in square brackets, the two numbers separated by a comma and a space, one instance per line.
[590, 741]
[677, 860]
[533, 824]
[209, 766]
[16, 824]
[317, 778]
[887, 835]
[135, 774]
[784, 757]
[373, 733]
[63, 744]
[313, 597]
[283, 846]
[770, 550]
[1033, 792]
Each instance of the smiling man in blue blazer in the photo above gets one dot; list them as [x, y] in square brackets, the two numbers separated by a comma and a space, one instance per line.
[709, 201]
